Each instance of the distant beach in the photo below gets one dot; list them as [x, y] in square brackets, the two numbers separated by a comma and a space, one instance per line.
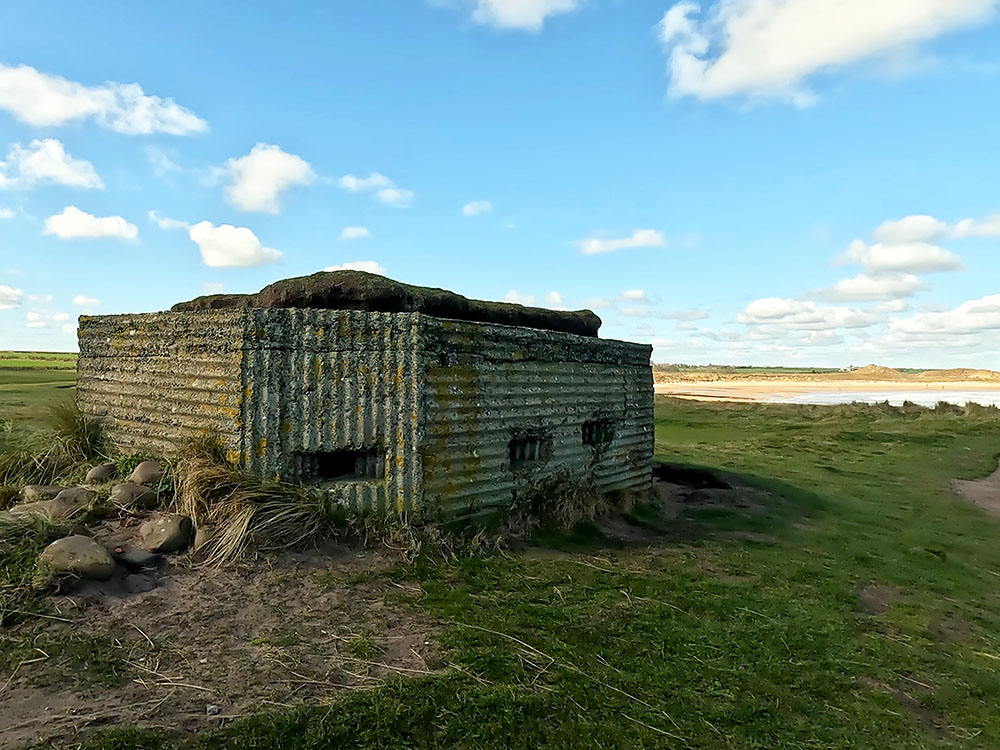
[833, 392]
[870, 384]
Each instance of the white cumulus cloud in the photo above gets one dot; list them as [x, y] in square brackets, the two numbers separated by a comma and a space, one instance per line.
[909, 257]
[476, 208]
[398, 197]
[384, 189]
[639, 238]
[685, 315]
[354, 233]
[525, 15]
[44, 100]
[43, 162]
[917, 228]
[634, 295]
[769, 48]
[226, 246]
[802, 315]
[10, 297]
[362, 184]
[554, 299]
[73, 223]
[164, 223]
[974, 316]
[972, 228]
[516, 297]
[6, 213]
[81, 300]
[257, 179]
[865, 288]
[370, 266]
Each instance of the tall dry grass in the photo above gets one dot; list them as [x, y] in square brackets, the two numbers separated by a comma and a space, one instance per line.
[244, 512]
[70, 440]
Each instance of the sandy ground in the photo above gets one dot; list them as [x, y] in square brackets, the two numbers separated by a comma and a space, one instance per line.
[984, 493]
[776, 390]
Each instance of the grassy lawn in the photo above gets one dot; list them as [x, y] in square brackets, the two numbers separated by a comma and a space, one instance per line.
[737, 628]
[32, 381]
[38, 360]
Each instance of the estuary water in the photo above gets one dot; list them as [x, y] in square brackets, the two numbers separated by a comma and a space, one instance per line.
[896, 397]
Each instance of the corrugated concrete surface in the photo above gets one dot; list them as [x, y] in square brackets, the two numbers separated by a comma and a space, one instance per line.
[489, 385]
[439, 402]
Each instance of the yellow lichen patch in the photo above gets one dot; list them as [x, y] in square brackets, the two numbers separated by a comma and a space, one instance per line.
[262, 447]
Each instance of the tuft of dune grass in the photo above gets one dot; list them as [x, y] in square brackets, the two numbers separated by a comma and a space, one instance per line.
[244, 512]
[71, 440]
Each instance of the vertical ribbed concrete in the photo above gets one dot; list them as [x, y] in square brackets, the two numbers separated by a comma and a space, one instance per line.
[440, 401]
[489, 385]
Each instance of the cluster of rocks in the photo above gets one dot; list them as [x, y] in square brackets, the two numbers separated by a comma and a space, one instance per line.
[79, 554]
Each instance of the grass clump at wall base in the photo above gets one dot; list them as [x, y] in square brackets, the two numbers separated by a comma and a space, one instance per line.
[243, 511]
[247, 513]
[560, 503]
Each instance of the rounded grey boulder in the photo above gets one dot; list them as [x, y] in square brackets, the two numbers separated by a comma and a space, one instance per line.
[80, 556]
[63, 507]
[79, 496]
[102, 473]
[130, 494]
[148, 472]
[166, 532]
[35, 492]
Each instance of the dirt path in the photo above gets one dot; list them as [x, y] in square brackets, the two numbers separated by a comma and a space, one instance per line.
[984, 493]
[201, 646]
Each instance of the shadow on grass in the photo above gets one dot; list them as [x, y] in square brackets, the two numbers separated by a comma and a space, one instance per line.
[693, 503]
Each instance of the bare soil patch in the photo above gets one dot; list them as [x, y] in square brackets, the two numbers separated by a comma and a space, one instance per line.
[905, 700]
[983, 493]
[875, 599]
[190, 647]
[951, 629]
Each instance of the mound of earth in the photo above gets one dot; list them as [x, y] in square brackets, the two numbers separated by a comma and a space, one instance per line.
[871, 372]
[358, 290]
[960, 374]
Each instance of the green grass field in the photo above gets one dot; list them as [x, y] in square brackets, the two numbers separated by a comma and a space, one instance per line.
[737, 628]
[32, 381]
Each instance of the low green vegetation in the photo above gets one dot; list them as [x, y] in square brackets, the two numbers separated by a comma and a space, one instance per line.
[30, 382]
[37, 360]
[850, 600]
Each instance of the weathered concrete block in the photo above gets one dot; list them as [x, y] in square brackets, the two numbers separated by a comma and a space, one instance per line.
[388, 411]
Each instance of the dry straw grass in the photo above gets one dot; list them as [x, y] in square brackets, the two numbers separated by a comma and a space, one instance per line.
[244, 512]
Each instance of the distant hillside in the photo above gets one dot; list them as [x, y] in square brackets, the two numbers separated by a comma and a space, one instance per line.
[960, 373]
[872, 372]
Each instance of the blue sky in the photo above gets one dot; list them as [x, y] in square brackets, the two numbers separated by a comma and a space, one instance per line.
[746, 181]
